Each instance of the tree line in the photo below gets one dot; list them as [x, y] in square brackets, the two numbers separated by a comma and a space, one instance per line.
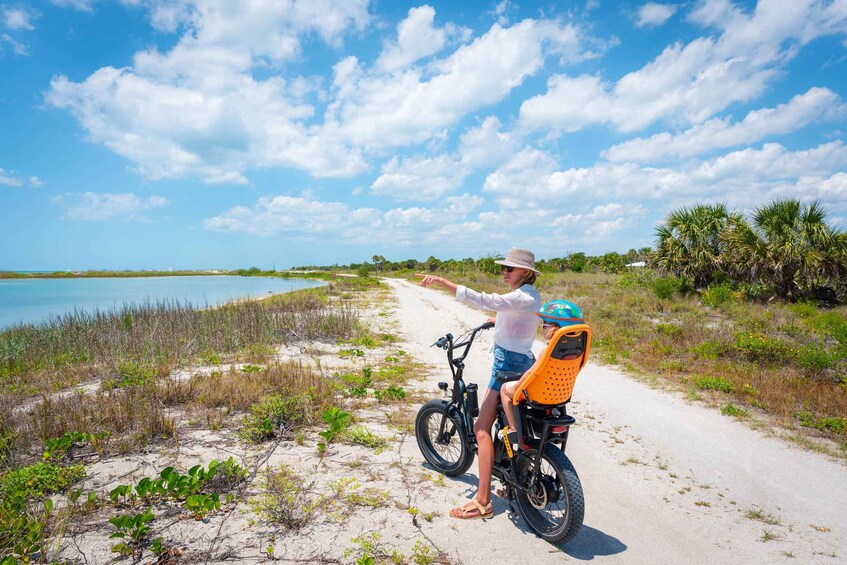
[578, 262]
[785, 249]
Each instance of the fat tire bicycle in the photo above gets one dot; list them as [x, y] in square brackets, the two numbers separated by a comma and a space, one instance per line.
[538, 477]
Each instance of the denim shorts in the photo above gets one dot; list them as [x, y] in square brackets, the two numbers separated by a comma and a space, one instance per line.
[505, 360]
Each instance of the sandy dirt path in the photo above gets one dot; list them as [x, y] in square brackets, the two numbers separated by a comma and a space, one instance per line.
[665, 480]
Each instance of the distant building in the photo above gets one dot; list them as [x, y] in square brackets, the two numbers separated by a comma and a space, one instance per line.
[637, 264]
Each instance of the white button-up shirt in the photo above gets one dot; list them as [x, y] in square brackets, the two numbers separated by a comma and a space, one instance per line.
[516, 322]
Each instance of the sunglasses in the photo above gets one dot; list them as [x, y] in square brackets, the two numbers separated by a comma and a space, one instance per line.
[508, 269]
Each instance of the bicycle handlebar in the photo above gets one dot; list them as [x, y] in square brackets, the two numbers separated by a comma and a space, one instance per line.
[447, 344]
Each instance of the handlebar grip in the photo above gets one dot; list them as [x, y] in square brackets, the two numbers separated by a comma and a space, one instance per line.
[487, 326]
[442, 342]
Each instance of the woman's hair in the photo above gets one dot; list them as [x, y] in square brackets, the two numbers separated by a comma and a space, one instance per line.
[528, 278]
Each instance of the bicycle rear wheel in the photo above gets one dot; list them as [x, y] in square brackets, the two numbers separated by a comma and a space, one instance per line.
[448, 452]
[553, 505]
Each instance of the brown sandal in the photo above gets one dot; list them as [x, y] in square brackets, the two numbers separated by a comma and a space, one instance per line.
[472, 510]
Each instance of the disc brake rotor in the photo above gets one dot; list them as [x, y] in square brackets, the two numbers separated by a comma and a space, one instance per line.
[543, 492]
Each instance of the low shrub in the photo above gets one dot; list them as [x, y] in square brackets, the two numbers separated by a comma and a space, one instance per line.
[733, 410]
[285, 498]
[717, 295]
[815, 358]
[760, 347]
[40, 479]
[664, 287]
[833, 424]
[273, 416]
[713, 383]
[709, 349]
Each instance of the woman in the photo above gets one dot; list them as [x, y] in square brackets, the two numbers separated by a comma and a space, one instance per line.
[514, 332]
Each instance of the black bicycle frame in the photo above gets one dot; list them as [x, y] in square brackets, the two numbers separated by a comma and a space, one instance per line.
[457, 367]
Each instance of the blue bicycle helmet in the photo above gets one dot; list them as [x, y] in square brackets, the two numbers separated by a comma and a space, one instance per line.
[560, 312]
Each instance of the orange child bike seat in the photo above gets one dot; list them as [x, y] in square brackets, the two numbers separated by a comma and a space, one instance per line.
[551, 381]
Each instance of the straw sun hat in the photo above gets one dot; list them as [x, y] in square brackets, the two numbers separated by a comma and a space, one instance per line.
[518, 257]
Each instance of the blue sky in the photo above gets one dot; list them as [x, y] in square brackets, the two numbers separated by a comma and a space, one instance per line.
[207, 134]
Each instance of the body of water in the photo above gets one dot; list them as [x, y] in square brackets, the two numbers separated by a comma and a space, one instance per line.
[36, 300]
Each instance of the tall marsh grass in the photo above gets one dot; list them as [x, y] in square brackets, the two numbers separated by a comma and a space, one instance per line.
[125, 354]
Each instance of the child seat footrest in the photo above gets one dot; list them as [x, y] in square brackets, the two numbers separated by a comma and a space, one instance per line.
[565, 420]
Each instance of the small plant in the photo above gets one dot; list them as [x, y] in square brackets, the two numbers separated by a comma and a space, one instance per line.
[713, 383]
[835, 424]
[768, 535]
[733, 410]
[34, 481]
[370, 497]
[251, 369]
[391, 393]
[338, 420]
[422, 554]
[709, 349]
[285, 499]
[56, 448]
[273, 416]
[717, 295]
[374, 550]
[133, 529]
[762, 516]
[760, 347]
[365, 341]
[363, 436]
[130, 373]
[200, 505]
[354, 352]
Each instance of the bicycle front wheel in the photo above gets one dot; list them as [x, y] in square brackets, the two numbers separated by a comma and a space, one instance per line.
[447, 451]
[553, 504]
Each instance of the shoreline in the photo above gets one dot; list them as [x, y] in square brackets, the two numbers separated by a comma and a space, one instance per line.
[130, 302]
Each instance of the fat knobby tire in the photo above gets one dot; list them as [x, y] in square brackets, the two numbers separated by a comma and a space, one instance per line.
[454, 457]
[564, 530]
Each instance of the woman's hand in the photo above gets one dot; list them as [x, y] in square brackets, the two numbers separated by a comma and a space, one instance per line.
[427, 280]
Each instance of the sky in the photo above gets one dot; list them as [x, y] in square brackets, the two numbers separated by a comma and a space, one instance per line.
[155, 134]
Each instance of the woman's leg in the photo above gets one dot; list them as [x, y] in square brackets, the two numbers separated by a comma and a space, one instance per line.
[485, 445]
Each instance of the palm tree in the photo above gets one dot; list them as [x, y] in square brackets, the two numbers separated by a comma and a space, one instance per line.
[689, 242]
[788, 247]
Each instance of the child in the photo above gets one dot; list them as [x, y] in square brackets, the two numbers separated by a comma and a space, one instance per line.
[554, 315]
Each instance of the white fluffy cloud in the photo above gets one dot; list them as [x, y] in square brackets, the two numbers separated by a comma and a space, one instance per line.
[388, 110]
[816, 105]
[81, 5]
[17, 17]
[306, 219]
[197, 110]
[743, 176]
[487, 145]
[94, 206]
[417, 38]
[419, 178]
[9, 178]
[652, 14]
[689, 84]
